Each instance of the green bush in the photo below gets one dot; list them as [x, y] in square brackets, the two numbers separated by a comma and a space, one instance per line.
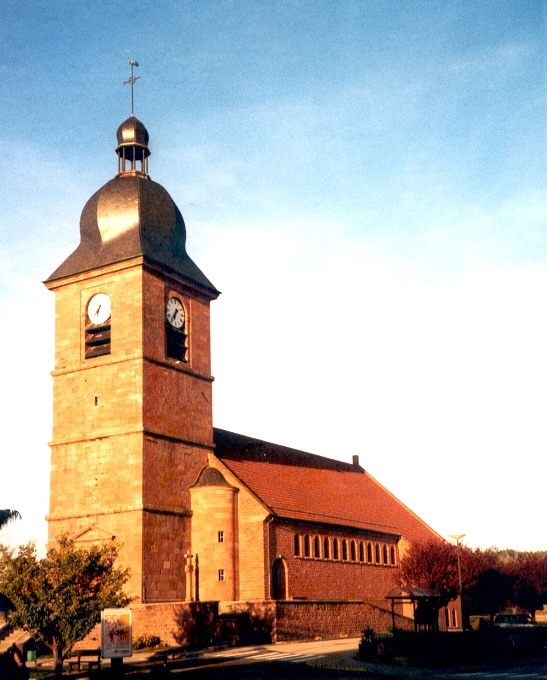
[142, 641]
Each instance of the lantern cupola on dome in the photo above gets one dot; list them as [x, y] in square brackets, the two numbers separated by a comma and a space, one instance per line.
[132, 148]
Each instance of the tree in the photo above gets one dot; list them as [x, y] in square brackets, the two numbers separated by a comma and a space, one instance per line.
[58, 599]
[434, 565]
[431, 565]
[7, 516]
[490, 578]
[528, 572]
[490, 593]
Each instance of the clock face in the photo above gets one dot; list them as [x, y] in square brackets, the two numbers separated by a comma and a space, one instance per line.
[98, 308]
[174, 312]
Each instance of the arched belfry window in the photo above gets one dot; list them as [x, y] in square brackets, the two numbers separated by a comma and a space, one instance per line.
[335, 549]
[176, 329]
[307, 546]
[344, 549]
[392, 554]
[377, 553]
[361, 551]
[297, 548]
[369, 552]
[326, 548]
[384, 554]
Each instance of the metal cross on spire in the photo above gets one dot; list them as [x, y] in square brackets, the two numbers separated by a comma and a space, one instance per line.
[132, 81]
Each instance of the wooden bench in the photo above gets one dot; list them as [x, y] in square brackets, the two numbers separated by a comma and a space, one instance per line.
[92, 657]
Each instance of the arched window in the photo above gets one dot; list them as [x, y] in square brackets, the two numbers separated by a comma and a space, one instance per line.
[353, 551]
[344, 549]
[307, 546]
[361, 551]
[392, 554]
[384, 554]
[297, 548]
[326, 548]
[369, 552]
[316, 547]
[335, 549]
[377, 553]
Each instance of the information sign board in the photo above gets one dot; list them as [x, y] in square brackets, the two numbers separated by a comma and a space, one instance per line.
[116, 633]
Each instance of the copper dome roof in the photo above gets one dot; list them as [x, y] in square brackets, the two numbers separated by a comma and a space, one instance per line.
[132, 216]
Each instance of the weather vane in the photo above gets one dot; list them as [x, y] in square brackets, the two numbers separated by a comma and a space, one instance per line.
[132, 81]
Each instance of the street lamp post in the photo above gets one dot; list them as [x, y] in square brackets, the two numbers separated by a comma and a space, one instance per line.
[457, 538]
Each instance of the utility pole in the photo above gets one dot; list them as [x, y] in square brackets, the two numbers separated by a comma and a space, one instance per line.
[457, 538]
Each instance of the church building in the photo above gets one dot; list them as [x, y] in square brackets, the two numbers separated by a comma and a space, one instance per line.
[202, 514]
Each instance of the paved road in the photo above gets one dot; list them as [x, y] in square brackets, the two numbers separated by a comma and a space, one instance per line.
[291, 651]
[318, 660]
[335, 659]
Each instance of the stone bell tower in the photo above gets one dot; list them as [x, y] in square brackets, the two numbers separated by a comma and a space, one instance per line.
[132, 408]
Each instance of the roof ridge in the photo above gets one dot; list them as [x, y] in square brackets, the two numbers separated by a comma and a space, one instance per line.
[349, 467]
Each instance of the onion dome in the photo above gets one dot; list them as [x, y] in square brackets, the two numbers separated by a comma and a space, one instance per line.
[132, 216]
[132, 131]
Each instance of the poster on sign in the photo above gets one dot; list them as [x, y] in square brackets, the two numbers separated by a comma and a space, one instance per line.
[116, 633]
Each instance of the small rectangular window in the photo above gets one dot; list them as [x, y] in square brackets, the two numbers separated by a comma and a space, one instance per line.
[221, 575]
[221, 536]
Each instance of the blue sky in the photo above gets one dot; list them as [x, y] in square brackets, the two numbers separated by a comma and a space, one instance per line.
[363, 180]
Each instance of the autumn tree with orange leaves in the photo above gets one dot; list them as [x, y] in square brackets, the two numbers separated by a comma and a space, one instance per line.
[491, 579]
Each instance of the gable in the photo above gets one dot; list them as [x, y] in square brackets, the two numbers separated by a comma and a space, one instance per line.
[93, 534]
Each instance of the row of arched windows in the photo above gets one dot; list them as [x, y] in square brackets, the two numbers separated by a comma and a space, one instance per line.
[346, 550]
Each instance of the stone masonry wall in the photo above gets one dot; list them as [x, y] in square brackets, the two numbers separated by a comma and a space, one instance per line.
[156, 619]
[301, 620]
[148, 619]
[319, 578]
[270, 621]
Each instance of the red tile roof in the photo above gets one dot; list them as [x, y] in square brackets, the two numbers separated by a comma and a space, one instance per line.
[303, 486]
